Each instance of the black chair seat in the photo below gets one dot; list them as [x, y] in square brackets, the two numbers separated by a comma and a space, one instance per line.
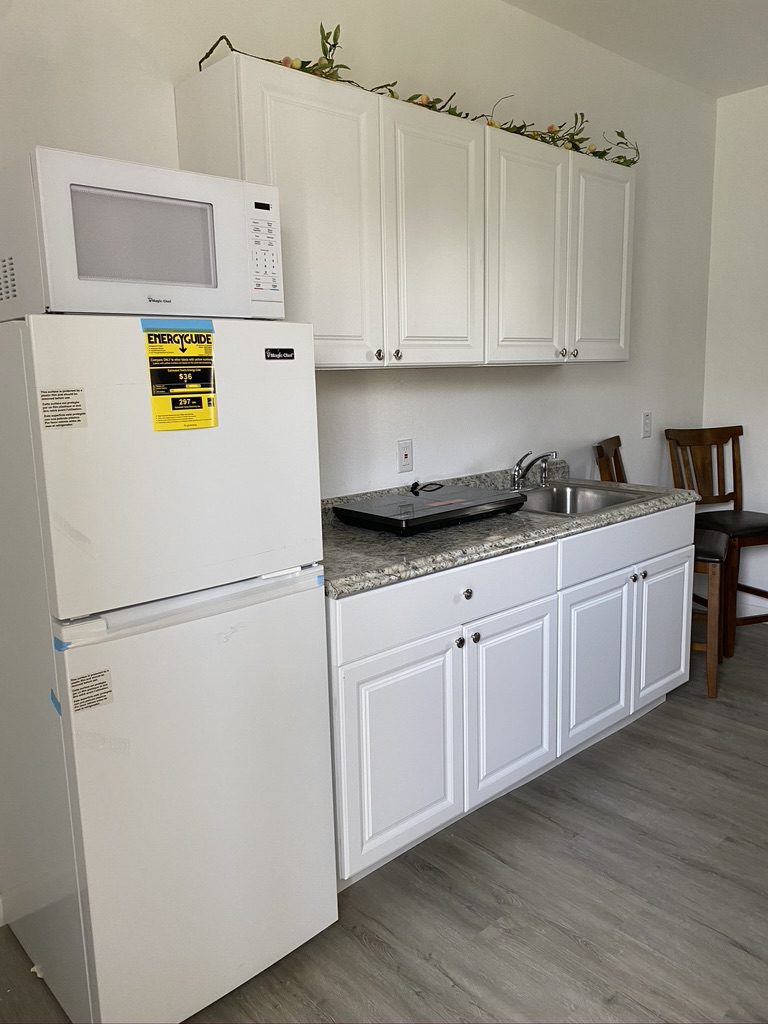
[711, 545]
[734, 524]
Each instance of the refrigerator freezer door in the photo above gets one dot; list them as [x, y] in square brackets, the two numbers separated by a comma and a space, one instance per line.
[131, 514]
[202, 754]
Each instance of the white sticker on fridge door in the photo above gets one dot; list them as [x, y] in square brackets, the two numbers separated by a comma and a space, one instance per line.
[92, 689]
[63, 407]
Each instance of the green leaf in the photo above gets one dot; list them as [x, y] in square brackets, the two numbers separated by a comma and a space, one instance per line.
[336, 33]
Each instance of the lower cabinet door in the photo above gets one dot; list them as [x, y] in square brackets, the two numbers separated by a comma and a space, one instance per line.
[511, 697]
[399, 750]
[596, 624]
[663, 626]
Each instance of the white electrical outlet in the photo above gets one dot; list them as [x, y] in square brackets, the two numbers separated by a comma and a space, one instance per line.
[405, 456]
[646, 425]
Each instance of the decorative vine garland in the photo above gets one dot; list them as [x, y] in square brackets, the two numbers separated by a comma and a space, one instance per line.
[568, 135]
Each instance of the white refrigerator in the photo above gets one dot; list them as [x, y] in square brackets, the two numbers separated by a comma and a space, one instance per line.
[166, 825]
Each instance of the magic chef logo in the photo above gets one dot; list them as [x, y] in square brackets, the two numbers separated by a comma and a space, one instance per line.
[180, 338]
[151, 298]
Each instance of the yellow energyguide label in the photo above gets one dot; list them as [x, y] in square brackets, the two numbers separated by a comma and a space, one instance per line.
[181, 375]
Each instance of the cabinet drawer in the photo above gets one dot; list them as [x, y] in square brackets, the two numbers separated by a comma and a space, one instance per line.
[377, 620]
[598, 552]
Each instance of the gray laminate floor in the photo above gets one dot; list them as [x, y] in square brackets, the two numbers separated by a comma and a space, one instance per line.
[628, 884]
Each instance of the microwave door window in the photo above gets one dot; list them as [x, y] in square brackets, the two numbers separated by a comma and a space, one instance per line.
[127, 236]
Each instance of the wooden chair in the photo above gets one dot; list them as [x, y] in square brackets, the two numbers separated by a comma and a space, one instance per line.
[709, 557]
[700, 462]
[609, 461]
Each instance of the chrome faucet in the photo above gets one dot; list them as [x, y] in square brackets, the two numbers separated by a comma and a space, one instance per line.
[520, 472]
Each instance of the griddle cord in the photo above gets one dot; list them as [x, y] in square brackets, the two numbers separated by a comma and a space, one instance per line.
[416, 487]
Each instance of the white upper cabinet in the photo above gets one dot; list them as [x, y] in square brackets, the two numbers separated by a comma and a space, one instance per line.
[527, 244]
[319, 143]
[599, 259]
[433, 233]
[390, 215]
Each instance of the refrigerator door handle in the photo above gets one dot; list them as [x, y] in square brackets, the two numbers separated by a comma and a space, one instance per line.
[188, 608]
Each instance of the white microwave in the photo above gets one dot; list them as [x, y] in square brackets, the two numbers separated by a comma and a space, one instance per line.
[85, 234]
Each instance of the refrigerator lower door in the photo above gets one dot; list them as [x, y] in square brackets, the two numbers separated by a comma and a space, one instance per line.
[131, 513]
[202, 793]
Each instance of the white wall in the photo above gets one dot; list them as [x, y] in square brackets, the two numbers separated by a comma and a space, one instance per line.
[99, 76]
[737, 334]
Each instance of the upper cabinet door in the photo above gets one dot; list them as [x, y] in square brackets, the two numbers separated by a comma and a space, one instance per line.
[319, 143]
[600, 256]
[527, 241]
[433, 234]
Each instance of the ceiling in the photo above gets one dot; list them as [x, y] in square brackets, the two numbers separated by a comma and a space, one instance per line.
[716, 46]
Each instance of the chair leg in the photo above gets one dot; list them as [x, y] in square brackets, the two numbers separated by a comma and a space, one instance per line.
[730, 585]
[714, 629]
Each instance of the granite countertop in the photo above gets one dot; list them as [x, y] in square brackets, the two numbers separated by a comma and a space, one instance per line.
[357, 560]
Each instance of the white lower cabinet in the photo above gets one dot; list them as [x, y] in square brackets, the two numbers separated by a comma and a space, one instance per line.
[439, 726]
[455, 687]
[511, 695]
[624, 643]
[662, 626]
[595, 657]
[398, 752]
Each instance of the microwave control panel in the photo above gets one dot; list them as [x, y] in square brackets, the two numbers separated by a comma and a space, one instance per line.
[265, 262]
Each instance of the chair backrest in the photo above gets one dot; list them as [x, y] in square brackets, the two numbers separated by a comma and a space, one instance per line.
[609, 461]
[699, 463]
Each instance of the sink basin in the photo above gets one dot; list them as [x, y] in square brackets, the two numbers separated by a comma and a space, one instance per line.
[577, 499]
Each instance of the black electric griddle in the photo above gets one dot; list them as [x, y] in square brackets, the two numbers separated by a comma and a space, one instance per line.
[428, 509]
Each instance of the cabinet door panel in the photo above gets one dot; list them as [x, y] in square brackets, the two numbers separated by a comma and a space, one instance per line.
[433, 225]
[319, 143]
[527, 226]
[510, 698]
[596, 621]
[399, 764]
[663, 631]
[601, 206]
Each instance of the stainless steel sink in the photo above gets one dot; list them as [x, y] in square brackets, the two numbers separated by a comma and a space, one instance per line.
[577, 499]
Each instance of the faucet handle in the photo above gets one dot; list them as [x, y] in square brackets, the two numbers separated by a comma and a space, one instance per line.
[517, 471]
[521, 460]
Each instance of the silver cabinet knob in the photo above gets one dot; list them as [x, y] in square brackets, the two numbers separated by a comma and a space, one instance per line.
[575, 353]
[468, 593]
[475, 638]
[563, 352]
[633, 578]
[379, 353]
[398, 354]
[460, 641]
